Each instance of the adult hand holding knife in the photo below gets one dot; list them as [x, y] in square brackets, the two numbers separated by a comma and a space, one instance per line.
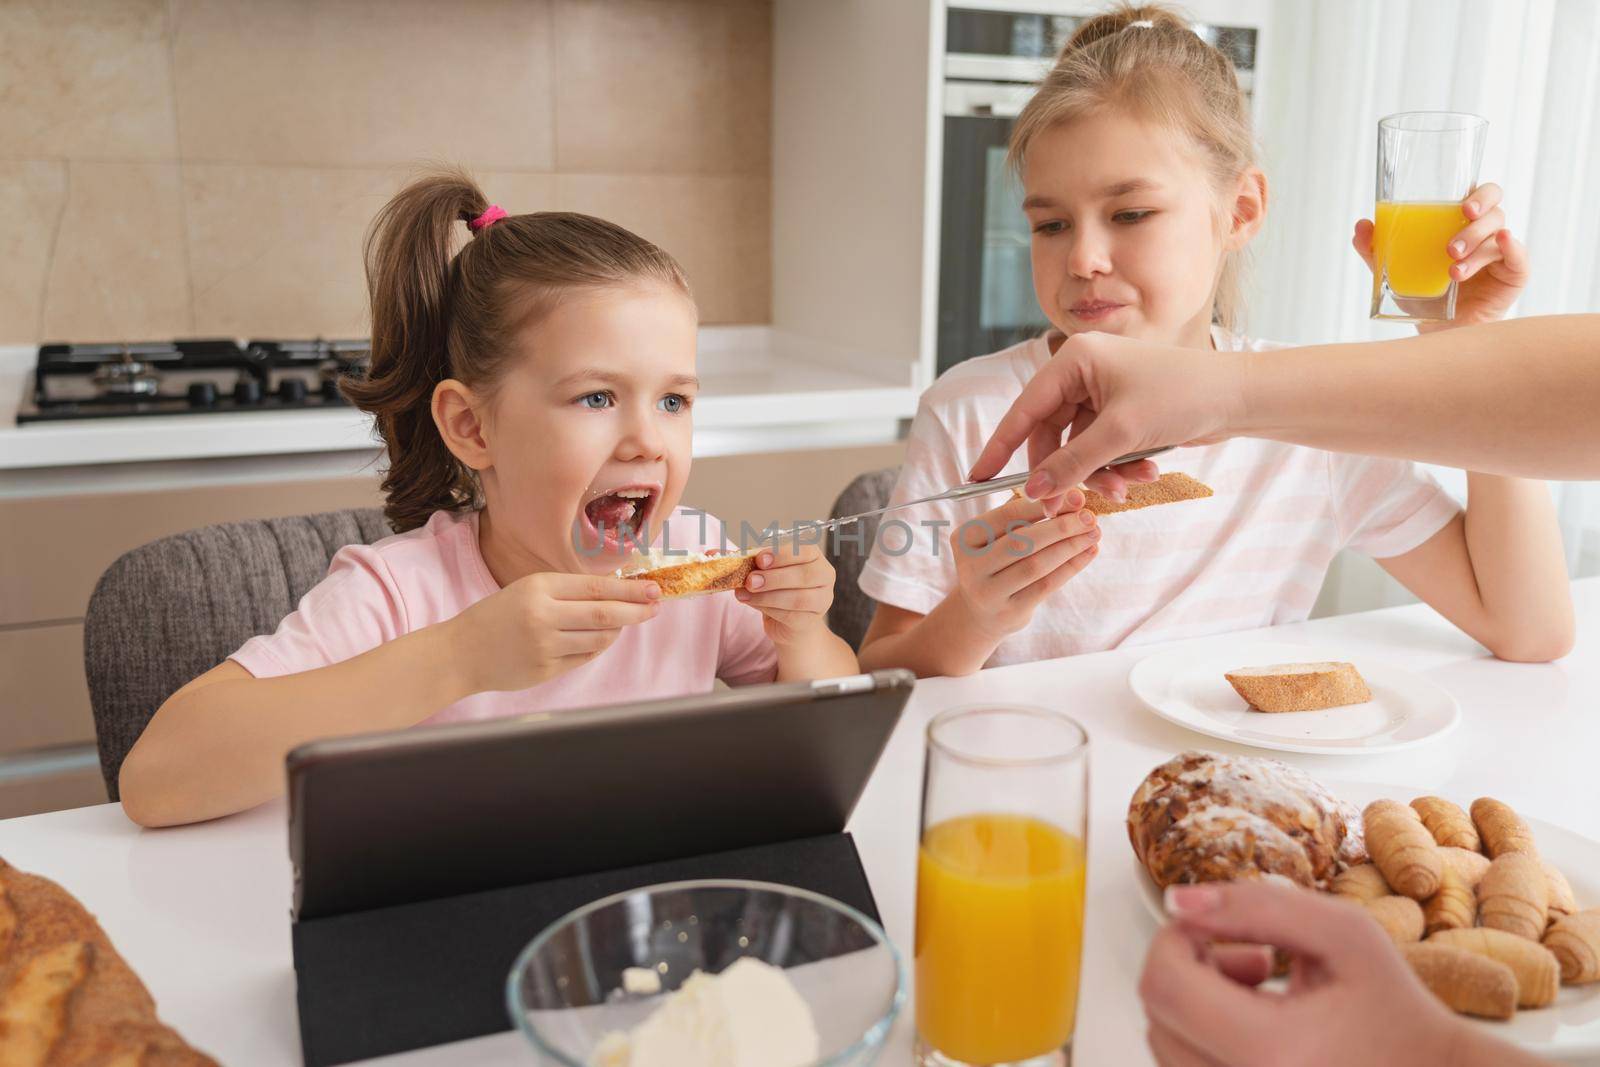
[1535, 381]
[1113, 400]
[1133, 467]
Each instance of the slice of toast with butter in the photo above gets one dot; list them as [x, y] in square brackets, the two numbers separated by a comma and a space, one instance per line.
[691, 574]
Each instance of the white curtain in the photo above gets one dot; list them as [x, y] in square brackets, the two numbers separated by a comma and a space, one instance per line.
[1332, 69]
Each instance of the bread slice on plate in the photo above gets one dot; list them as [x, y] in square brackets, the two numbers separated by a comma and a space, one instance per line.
[1299, 686]
[691, 574]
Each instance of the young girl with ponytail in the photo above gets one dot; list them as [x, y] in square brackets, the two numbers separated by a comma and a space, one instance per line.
[534, 392]
[1142, 193]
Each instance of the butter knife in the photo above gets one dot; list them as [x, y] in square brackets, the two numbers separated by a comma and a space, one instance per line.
[960, 492]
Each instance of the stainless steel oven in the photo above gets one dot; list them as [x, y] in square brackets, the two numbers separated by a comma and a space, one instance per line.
[994, 58]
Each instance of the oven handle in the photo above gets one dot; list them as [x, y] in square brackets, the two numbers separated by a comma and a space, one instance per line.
[985, 99]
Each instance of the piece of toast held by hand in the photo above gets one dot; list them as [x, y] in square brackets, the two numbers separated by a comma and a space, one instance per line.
[1170, 488]
[680, 575]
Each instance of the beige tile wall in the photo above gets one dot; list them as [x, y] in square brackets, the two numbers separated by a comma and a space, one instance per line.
[205, 167]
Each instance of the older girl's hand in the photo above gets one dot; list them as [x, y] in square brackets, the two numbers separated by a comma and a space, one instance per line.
[1491, 266]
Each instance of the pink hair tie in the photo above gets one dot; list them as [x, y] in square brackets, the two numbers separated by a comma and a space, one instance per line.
[489, 217]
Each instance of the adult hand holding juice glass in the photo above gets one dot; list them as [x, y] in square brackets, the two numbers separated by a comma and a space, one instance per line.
[1000, 887]
[1438, 247]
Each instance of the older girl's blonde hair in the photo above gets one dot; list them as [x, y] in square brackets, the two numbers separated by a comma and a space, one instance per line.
[1147, 61]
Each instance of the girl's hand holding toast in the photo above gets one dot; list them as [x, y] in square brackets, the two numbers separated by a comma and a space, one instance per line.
[792, 587]
[546, 624]
[1010, 559]
[1491, 266]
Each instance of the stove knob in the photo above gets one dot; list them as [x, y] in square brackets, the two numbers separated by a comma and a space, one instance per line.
[291, 390]
[248, 391]
[330, 391]
[202, 394]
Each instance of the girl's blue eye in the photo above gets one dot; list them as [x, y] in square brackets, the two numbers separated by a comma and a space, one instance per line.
[674, 403]
[596, 401]
[1048, 228]
[1132, 216]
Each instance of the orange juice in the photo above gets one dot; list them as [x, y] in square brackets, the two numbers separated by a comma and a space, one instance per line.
[999, 937]
[1409, 241]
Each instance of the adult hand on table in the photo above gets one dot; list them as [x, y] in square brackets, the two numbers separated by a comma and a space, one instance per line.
[1351, 998]
[1116, 395]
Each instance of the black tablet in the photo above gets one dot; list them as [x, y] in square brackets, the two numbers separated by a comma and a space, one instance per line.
[429, 812]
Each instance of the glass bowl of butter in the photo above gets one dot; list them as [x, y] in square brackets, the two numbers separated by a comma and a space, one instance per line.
[715, 973]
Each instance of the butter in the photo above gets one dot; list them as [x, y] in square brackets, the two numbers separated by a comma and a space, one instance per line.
[750, 1015]
[641, 981]
[657, 558]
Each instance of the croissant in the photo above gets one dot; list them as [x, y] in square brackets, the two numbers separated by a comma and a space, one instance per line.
[1575, 940]
[1466, 982]
[1400, 917]
[1362, 882]
[1562, 902]
[1538, 973]
[1469, 865]
[1453, 906]
[1448, 824]
[1514, 896]
[1501, 828]
[1403, 849]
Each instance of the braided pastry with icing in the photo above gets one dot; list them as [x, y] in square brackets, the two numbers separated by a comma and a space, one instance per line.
[1204, 817]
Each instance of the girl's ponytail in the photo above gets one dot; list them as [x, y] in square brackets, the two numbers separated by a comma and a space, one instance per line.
[1108, 23]
[408, 258]
[436, 315]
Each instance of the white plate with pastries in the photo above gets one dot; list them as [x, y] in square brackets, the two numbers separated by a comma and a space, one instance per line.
[1567, 1029]
[1190, 687]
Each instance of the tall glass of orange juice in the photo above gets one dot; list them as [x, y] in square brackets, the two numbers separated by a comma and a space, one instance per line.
[1427, 163]
[1000, 887]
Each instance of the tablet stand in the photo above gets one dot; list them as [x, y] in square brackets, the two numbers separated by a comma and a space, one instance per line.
[387, 980]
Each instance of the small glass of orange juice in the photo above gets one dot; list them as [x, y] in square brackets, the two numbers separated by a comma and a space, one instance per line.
[1000, 887]
[1427, 163]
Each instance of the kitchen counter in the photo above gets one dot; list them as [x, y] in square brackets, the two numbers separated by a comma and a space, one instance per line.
[761, 391]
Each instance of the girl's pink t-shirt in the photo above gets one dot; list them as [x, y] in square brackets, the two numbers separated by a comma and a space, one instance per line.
[376, 593]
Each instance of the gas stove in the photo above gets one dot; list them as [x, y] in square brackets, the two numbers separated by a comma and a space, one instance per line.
[100, 381]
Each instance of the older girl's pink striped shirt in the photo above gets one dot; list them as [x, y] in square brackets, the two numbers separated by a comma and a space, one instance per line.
[1255, 554]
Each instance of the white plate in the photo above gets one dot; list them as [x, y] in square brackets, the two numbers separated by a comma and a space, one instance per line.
[1569, 1028]
[1186, 686]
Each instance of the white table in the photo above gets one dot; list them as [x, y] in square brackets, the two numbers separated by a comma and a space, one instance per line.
[202, 912]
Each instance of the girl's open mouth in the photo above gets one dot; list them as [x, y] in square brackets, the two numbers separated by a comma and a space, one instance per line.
[622, 514]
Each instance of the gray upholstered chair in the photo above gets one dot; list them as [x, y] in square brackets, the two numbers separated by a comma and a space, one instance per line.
[171, 610]
[852, 609]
